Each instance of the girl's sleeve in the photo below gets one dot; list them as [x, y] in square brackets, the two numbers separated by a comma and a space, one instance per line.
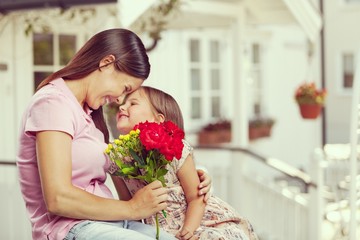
[188, 149]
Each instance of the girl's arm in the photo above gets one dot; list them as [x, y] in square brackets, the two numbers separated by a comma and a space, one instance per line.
[121, 188]
[63, 198]
[189, 181]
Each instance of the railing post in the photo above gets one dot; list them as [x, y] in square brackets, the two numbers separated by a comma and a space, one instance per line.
[316, 200]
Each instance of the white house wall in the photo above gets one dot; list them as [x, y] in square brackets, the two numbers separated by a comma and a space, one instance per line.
[341, 36]
[286, 67]
[16, 82]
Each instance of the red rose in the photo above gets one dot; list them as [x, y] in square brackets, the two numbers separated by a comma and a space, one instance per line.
[152, 135]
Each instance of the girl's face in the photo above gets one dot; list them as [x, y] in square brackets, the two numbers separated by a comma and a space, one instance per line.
[134, 110]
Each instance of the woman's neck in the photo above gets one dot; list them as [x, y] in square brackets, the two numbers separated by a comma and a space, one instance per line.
[79, 88]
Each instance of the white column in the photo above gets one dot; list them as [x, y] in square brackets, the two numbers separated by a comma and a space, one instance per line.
[240, 119]
[354, 138]
[316, 200]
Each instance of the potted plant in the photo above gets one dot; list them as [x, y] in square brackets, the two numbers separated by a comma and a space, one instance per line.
[310, 100]
[215, 133]
[260, 127]
[220, 131]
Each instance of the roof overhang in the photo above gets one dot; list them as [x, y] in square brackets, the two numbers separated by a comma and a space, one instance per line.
[7, 6]
[221, 13]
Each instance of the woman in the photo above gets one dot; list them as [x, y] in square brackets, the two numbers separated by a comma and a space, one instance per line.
[62, 168]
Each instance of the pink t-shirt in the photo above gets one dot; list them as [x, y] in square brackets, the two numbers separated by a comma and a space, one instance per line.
[54, 107]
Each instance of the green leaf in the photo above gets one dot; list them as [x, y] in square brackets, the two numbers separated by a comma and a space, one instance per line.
[136, 157]
[161, 172]
[128, 170]
[162, 180]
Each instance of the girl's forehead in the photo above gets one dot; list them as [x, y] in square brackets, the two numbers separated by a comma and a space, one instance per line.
[137, 95]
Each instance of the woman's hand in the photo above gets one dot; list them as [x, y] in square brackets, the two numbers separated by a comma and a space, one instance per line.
[149, 200]
[205, 184]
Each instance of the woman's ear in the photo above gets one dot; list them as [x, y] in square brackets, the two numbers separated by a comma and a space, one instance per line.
[106, 61]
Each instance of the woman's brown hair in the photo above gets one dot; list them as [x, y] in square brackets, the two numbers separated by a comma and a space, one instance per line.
[130, 58]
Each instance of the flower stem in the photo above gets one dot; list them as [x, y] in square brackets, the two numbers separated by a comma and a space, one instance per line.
[157, 226]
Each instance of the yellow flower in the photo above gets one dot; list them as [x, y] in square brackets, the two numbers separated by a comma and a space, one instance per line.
[110, 146]
[126, 137]
[117, 142]
[107, 151]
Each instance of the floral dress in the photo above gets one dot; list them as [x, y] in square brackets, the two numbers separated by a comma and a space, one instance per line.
[220, 220]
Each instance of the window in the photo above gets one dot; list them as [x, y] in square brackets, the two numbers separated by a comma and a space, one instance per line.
[347, 70]
[255, 80]
[51, 52]
[205, 78]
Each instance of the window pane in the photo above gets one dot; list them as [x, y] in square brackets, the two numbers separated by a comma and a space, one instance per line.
[195, 108]
[215, 79]
[215, 107]
[255, 53]
[195, 79]
[348, 68]
[43, 50]
[194, 50]
[67, 48]
[214, 51]
[38, 77]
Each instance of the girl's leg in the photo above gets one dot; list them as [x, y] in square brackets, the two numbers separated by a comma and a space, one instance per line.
[94, 230]
[149, 230]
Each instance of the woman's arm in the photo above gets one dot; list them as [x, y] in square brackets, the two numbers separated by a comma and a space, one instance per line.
[205, 184]
[64, 199]
[189, 181]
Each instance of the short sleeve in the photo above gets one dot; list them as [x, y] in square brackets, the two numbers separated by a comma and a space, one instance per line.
[50, 112]
[188, 149]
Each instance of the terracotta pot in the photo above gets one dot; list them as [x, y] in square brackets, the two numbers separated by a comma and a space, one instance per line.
[214, 137]
[310, 111]
[259, 132]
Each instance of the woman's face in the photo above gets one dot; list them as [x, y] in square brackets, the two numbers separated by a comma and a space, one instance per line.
[110, 86]
[134, 110]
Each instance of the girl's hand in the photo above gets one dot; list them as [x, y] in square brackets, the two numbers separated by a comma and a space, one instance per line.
[185, 234]
[205, 184]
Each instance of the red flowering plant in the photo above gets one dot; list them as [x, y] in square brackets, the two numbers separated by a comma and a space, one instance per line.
[307, 93]
[144, 153]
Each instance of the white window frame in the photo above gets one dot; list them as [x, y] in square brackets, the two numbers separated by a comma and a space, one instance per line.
[80, 37]
[340, 90]
[206, 36]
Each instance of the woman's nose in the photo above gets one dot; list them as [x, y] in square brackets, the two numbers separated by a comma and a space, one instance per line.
[120, 100]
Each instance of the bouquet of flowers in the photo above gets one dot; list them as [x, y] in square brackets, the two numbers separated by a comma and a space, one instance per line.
[144, 153]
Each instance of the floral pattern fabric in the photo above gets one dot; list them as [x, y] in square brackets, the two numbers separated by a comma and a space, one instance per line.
[220, 220]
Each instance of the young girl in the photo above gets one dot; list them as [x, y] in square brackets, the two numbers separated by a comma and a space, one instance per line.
[188, 217]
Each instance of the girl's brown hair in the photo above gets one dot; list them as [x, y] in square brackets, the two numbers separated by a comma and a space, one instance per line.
[165, 104]
[130, 58]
